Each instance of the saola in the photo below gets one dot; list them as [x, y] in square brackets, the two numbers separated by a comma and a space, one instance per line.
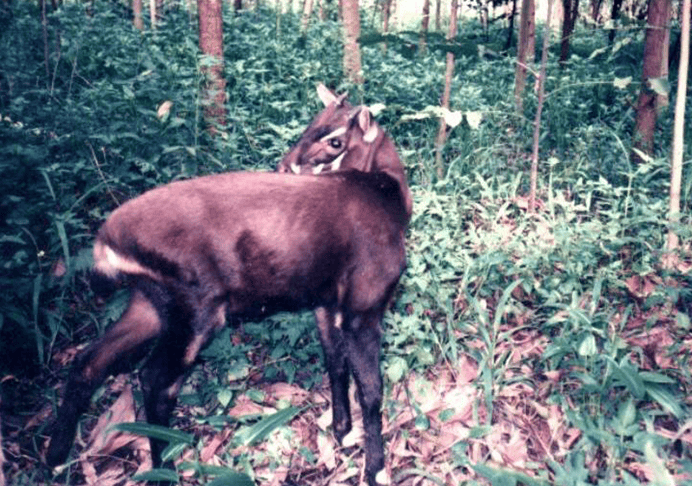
[247, 245]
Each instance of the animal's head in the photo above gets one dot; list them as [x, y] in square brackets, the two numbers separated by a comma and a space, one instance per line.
[344, 137]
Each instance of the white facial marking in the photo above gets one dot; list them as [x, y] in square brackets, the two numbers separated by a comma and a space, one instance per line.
[317, 169]
[336, 133]
[295, 168]
[336, 163]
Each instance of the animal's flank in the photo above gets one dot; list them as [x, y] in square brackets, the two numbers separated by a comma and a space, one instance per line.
[250, 244]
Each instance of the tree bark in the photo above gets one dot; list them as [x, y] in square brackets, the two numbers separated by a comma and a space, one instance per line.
[571, 12]
[211, 45]
[655, 65]
[679, 127]
[352, 65]
[307, 13]
[510, 27]
[526, 46]
[438, 22]
[424, 25]
[449, 73]
[539, 111]
[152, 13]
[596, 10]
[137, 18]
[614, 15]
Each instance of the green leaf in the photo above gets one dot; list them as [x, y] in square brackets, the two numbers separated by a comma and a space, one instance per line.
[660, 86]
[232, 478]
[159, 474]
[155, 431]
[397, 367]
[254, 433]
[661, 396]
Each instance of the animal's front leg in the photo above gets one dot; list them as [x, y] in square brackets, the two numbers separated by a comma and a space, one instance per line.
[363, 348]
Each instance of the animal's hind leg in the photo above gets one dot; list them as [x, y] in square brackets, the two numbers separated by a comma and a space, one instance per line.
[329, 324]
[117, 349]
[189, 329]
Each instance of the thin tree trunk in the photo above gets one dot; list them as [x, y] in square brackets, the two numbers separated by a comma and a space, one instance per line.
[386, 5]
[449, 73]
[679, 127]
[137, 19]
[424, 25]
[211, 45]
[596, 11]
[307, 13]
[525, 50]
[614, 15]
[352, 65]
[510, 28]
[152, 13]
[571, 11]
[654, 66]
[539, 111]
[438, 21]
[46, 50]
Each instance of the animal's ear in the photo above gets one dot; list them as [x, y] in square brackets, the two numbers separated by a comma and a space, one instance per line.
[328, 97]
[369, 128]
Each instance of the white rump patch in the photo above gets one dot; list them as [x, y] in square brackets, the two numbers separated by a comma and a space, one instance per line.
[110, 263]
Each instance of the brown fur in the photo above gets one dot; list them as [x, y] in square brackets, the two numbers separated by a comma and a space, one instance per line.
[250, 244]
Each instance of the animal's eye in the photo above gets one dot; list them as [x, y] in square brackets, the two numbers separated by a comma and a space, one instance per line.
[335, 143]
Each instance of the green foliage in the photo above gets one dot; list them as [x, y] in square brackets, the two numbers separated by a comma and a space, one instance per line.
[79, 140]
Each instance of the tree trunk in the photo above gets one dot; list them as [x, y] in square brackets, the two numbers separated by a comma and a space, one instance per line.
[137, 18]
[211, 45]
[526, 46]
[386, 7]
[614, 15]
[449, 73]
[654, 66]
[237, 6]
[424, 25]
[46, 50]
[483, 14]
[596, 11]
[307, 13]
[571, 12]
[152, 13]
[679, 127]
[438, 22]
[539, 110]
[352, 66]
[510, 28]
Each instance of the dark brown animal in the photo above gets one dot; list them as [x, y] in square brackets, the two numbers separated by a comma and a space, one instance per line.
[250, 244]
